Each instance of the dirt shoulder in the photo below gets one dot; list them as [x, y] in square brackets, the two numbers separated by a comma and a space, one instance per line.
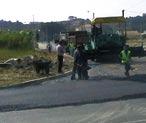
[11, 76]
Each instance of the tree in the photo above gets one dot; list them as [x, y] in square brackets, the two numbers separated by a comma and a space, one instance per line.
[72, 18]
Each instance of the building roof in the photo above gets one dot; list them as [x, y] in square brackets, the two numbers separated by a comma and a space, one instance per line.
[118, 19]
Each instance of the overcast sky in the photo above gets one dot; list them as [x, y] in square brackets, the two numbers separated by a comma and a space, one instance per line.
[56, 10]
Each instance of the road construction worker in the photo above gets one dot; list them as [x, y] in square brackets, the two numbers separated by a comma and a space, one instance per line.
[96, 31]
[71, 48]
[125, 56]
[74, 70]
[60, 55]
[49, 47]
[81, 63]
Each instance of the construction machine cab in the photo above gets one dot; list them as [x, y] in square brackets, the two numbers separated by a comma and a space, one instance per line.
[110, 33]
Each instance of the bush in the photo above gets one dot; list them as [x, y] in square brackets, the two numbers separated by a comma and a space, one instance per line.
[16, 40]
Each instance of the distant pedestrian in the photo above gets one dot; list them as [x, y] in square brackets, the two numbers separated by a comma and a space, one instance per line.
[60, 54]
[125, 56]
[49, 48]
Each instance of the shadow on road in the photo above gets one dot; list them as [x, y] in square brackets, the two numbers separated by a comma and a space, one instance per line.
[136, 78]
[139, 78]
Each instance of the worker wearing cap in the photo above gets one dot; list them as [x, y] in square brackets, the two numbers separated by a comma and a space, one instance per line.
[125, 56]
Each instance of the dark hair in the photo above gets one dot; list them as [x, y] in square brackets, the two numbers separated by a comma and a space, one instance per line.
[126, 46]
[60, 42]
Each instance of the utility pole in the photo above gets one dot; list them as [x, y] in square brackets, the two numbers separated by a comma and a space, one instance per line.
[123, 15]
[34, 32]
[93, 14]
[142, 25]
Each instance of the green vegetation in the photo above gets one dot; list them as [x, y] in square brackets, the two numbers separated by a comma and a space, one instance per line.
[16, 40]
[9, 53]
[14, 44]
[17, 44]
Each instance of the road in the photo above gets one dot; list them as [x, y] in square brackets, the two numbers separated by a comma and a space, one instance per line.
[43, 46]
[129, 111]
[107, 83]
[107, 97]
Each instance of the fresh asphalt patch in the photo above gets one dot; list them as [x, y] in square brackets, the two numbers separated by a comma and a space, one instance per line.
[8, 108]
[107, 83]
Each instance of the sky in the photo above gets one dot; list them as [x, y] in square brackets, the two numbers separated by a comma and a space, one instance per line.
[57, 10]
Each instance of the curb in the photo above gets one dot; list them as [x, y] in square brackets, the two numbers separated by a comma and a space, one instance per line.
[40, 80]
[37, 81]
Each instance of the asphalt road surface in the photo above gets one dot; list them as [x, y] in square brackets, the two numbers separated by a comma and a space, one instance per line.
[107, 97]
[129, 111]
[107, 83]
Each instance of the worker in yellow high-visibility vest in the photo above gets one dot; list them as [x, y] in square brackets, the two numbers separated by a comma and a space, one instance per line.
[125, 56]
[71, 48]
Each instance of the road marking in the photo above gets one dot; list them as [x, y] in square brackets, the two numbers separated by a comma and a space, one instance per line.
[94, 117]
[87, 118]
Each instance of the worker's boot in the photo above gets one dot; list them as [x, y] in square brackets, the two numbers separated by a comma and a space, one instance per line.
[73, 77]
[127, 74]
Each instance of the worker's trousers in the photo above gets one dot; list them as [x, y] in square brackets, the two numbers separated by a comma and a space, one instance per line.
[60, 63]
[127, 67]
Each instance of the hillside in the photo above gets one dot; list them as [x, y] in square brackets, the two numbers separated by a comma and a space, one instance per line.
[47, 31]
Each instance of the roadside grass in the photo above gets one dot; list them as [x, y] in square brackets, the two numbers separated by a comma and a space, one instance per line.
[11, 76]
[133, 35]
[134, 43]
[134, 39]
[6, 54]
[14, 76]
